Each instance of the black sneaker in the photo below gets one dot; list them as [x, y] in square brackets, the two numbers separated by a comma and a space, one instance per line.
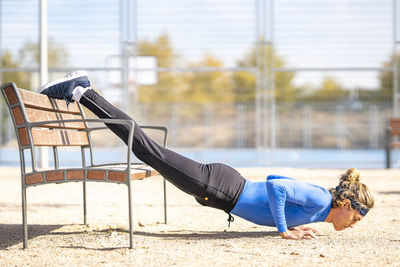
[62, 88]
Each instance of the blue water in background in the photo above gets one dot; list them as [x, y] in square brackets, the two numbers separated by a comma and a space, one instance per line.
[305, 158]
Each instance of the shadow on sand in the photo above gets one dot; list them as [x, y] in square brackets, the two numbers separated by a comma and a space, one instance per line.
[185, 234]
[11, 234]
[181, 235]
[389, 192]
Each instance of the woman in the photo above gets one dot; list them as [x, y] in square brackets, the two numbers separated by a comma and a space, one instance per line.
[280, 201]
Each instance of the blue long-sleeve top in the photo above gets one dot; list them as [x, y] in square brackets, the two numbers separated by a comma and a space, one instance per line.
[283, 202]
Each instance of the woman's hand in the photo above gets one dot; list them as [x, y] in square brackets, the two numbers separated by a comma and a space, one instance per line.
[305, 228]
[300, 232]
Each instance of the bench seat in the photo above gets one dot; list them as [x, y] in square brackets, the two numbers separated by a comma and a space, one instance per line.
[104, 173]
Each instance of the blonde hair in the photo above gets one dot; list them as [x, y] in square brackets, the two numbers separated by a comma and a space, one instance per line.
[350, 187]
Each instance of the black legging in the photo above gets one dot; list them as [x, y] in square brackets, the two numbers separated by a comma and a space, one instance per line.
[215, 185]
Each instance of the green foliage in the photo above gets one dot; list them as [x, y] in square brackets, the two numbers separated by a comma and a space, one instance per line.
[245, 82]
[22, 79]
[208, 87]
[329, 90]
[386, 77]
[29, 54]
[168, 84]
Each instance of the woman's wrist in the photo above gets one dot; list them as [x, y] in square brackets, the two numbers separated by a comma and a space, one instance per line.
[284, 234]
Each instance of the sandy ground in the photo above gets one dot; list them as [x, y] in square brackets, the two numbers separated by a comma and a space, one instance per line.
[194, 235]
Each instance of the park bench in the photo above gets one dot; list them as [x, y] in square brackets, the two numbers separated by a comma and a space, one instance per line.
[42, 121]
[392, 130]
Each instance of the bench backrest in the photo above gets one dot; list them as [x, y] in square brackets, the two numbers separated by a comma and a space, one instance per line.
[394, 124]
[27, 107]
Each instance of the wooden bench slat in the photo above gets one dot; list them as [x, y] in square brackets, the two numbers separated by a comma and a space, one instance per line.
[47, 137]
[10, 94]
[395, 144]
[394, 124]
[35, 115]
[138, 172]
[33, 178]
[38, 101]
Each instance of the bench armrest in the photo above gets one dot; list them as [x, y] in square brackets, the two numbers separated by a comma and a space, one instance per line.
[153, 127]
[129, 123]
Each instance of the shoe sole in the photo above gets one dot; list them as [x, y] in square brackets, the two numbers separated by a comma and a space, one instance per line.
[70, 76]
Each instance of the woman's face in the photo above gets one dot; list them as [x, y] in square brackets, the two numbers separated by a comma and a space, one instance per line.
[346, 217]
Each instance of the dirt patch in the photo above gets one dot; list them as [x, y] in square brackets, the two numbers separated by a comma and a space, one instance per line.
[194, 235]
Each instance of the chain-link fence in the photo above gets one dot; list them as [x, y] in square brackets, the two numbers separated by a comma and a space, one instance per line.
[222, 74]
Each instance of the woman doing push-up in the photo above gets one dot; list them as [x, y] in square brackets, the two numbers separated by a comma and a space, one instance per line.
[279, 201]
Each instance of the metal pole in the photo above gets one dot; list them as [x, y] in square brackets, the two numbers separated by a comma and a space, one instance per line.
[239, 125]
[207, 115]
[1, 81]
[395, 63]
[340, 127]
[133, 49]
[263, 68]
[175, 125]
[272, 80]
[258, 78]
[125, 54]
[373, 127]
[265, 77]
[307, 126]
[44, 70]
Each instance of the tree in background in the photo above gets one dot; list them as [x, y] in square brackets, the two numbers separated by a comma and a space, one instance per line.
[22, 79]
[29, 54]
[245, 82]
[386, 77]
[201, 87]
[330, 89]
[207, 86]
[29, 57]
[168, 85]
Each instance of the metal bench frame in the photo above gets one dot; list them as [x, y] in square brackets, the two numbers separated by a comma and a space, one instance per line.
[129, 168]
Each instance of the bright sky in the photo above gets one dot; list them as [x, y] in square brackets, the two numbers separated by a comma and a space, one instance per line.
[307, 33]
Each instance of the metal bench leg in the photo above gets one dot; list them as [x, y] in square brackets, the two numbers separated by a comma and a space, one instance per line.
[24, 219]
[84, 204]
[130, 217]
[165, 201]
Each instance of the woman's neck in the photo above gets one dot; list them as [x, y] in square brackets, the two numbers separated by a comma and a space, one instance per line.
[330, 216]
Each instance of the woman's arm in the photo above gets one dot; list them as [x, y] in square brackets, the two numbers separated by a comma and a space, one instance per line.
[283, 189]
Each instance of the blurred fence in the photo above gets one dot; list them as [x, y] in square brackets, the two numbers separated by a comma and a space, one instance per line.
[299, 125]
[222, 74]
